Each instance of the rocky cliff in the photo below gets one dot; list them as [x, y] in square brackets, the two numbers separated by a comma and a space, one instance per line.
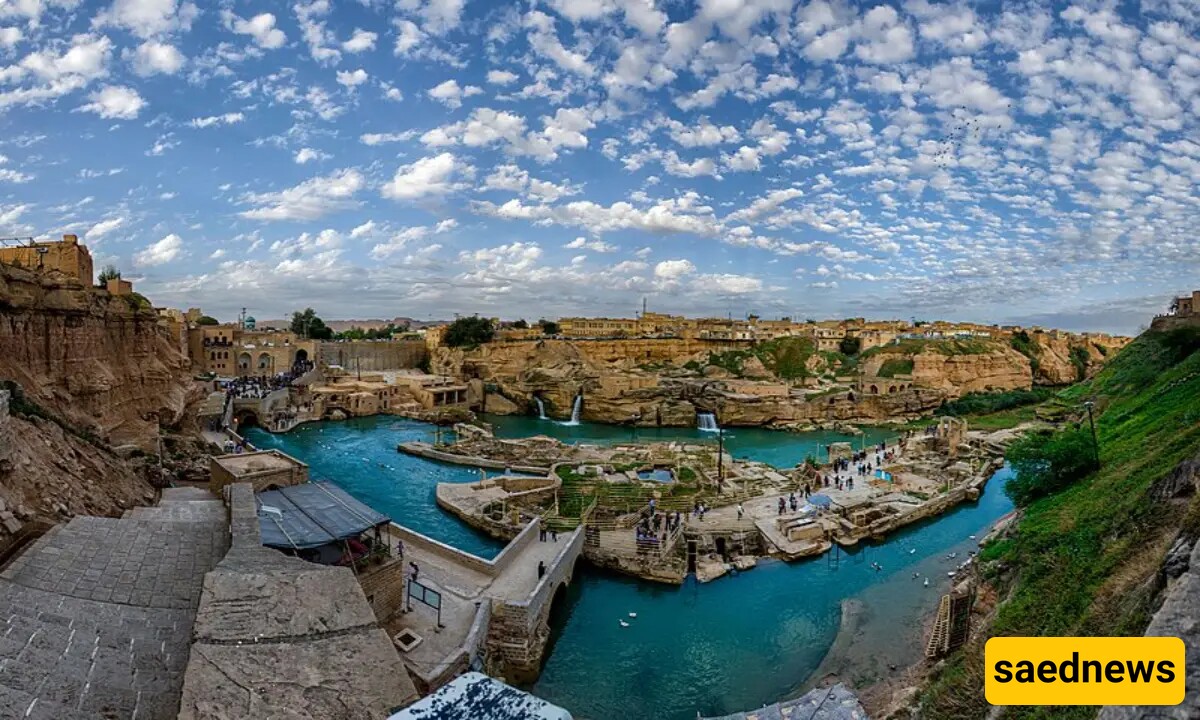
[519, 374]
[100, 362]
[88, 372]
[1061, 361]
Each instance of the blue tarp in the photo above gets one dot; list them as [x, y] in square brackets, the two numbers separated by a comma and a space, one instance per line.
[312, 514]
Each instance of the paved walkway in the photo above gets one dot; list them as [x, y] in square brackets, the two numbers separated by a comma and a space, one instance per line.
[96, 616]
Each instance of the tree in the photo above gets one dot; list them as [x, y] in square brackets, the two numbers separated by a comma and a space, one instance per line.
[110, 272]
[519, 324]
[549, 327]
[1047, 462]
[207, 320]
[469, 331]
[850, 345]
[307, 324]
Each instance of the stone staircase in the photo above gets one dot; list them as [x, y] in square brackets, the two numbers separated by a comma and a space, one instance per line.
[96, 615]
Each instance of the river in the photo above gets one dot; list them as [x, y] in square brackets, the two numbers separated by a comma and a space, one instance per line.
[734, 644]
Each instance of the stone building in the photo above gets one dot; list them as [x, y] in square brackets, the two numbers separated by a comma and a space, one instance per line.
[118, 287]
[229, 350]
[1187, 306]
[263, 470]
[67, 256]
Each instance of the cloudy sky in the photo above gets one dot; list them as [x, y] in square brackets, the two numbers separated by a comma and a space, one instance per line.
[984, 161]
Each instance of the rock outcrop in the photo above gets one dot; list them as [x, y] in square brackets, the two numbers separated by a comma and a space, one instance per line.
[88, 372]
[100, 362]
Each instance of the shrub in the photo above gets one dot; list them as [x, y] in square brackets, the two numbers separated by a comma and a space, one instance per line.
[850, 345]
[1047, 462]
[896, 366]
[984, 403]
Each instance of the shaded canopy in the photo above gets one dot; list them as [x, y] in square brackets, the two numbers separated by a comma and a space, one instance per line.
[312, 514]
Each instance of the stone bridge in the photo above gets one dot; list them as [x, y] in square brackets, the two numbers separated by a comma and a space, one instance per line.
[494, 612]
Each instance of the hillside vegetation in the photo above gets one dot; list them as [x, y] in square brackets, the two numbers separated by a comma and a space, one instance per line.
[1084, 557]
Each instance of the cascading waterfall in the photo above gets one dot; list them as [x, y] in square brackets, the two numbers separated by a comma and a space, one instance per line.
[576, 409]
[541, 407]
[707, 422]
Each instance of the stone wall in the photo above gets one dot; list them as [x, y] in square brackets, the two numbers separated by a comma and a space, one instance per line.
[384, 588]
[413, 539]
[371, 356]
[276, 636]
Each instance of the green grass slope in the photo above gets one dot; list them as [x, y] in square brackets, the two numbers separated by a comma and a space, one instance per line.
[1084, 560]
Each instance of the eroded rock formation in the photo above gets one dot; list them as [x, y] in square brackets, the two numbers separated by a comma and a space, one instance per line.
[90, 373]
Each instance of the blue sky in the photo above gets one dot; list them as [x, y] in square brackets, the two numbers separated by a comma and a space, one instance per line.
[984, 161]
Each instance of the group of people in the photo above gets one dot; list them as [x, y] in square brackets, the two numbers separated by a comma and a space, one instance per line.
[652, 524]
[257, 386]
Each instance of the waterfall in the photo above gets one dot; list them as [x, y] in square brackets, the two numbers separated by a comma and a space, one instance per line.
[541, 407]
[576, 409]
[707, 422]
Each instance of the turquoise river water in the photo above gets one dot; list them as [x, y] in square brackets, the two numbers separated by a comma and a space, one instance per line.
[733, 644]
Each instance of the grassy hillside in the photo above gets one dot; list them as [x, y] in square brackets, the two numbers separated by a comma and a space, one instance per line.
[1084, 560]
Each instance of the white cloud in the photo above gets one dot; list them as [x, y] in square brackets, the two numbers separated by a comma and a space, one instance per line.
[501, 77]
[115, 102]
[581, 243]
[381, 138]
[352, 79]
[361, 41]
[310, 200]
[261, 27]
[231, 118]
[146, 18]
[673, 269]
[10, 36]
[428, 176]
[451, 95]
[159, 253]
[102, 228]
[306, 155]
[885, 37]
[153, 58]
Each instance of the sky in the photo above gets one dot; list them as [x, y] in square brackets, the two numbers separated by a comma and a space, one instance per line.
[996, 162]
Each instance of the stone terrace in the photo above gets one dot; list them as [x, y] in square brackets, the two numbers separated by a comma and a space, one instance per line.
[97, 614]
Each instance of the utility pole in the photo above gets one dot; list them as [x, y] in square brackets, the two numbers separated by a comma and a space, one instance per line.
[720, 450]
[1092, 423]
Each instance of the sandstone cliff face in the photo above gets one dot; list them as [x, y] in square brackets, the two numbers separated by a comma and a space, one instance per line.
[89, 358]
[615, 393]
[105, 371]
[1055, 367]
[998, 370]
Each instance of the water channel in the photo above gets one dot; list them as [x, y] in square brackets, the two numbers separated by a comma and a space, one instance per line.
[733, 644]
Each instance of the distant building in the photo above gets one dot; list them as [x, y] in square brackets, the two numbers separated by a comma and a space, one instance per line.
[1187, 306]
[117, 286]
[232, 350]
[66, 256]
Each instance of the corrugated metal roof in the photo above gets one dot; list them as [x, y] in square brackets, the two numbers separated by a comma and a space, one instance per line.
[312, 514]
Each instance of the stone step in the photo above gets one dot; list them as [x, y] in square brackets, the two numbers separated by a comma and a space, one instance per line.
[187, 493]
[137, 561]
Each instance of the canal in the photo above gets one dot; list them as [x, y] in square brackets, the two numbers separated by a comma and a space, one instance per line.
[733, 644]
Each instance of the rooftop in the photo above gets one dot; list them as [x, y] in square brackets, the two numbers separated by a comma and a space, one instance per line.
[241, 464]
